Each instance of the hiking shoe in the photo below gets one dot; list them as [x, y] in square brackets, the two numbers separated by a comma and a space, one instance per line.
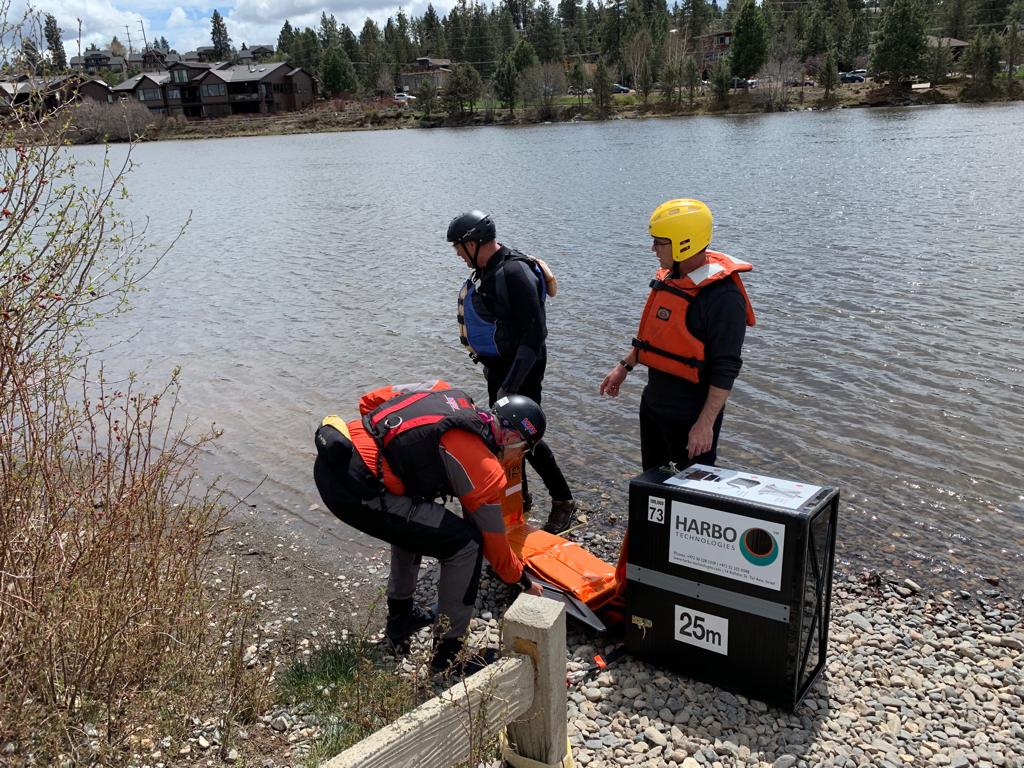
[402, 626]
[562, 514]
[452, 659]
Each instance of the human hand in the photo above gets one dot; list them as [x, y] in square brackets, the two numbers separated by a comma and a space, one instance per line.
[535, 589]
[700, 439]
[612, 382]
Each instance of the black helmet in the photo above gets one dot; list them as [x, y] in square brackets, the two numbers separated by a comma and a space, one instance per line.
[522, 415]
[475, 226]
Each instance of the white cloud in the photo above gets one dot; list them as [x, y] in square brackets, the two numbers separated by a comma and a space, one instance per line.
[187, 26]
[177, 18]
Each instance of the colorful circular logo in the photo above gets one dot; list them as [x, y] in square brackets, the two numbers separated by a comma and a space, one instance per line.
[758, 546]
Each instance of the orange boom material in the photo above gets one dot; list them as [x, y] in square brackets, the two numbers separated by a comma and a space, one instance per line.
[562, 563]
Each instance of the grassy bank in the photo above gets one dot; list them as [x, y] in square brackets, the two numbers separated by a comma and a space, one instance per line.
[333, 116]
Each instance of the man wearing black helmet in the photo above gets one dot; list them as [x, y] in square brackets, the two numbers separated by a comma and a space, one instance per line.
[503, 324]
[383, 473]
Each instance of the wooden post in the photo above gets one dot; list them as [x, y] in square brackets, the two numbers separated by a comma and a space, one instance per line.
[535, 626]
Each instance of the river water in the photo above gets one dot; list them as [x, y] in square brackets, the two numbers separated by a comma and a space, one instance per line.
[888, 358]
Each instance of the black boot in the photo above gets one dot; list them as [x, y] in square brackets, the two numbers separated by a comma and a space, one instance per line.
[452, 659]
[405, 619]
[562, 514]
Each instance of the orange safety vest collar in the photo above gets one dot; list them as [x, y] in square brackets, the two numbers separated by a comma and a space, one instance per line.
[663, 341]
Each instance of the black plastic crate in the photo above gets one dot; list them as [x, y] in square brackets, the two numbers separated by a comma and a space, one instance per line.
[730, 578]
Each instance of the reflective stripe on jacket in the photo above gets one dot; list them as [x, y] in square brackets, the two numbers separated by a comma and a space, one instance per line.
[664, 342]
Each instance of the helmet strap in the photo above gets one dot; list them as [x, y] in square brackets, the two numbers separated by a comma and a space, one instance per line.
[475, 253]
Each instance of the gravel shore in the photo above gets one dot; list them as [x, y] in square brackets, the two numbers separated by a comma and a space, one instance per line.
[912, 677]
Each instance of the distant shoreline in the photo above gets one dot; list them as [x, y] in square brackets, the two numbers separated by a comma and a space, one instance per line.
[386, 116]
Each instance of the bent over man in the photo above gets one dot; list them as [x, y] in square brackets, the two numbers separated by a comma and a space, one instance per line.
[382, 475]
[690, 338]
[502, 321]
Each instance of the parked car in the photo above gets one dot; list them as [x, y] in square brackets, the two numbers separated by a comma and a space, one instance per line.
[850, 77]
[794, 83]
[739, 82]
[403, 97]
[617, 88]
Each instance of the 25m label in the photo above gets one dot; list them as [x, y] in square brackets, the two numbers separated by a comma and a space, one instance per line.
[702, 630]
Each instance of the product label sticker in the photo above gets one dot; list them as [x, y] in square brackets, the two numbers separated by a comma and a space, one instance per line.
[735, 546]
[655, 509]
[756, 489]
[703, 630]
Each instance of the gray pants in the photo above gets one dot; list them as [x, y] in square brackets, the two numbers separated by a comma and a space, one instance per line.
[417, 528]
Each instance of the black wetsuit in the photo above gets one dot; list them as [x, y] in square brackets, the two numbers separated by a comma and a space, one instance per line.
[521, 331]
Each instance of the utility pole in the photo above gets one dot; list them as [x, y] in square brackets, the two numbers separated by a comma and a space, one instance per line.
[145, 43]
[128, 34]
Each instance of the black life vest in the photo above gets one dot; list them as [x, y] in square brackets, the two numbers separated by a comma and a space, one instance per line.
[408, 430]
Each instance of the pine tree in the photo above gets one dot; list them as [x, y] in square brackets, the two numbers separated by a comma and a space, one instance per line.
[828, 74]
[691, 78]
[938, 60]
[58, 58]
[330, 74]
[506, 82]
[163, 44]
[602, 85]
[1013, 52]
[721, 79]
[286, 39]
[956, 19]
[30, 56]
[901, 42]
[982, 59]
[432, 36]
[327, 34]
[545, 34]
[749, 41]
[479, 48]
[506, 35]
[455, 33]
[219, 36]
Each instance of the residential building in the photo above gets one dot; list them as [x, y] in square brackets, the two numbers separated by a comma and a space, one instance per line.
[98, 61]
[436, 71]
[51, 91]
[956, 47]
[255, 53]
[199, 89]
[707, 50]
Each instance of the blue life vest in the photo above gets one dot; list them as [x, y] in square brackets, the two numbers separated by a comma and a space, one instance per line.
[480, 329]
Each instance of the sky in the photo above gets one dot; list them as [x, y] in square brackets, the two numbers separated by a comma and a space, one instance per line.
[254, 22]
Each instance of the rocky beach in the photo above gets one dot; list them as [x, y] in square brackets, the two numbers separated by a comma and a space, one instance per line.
[914, 677]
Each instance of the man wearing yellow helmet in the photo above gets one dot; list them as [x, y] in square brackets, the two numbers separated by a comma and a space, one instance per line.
[690, 338]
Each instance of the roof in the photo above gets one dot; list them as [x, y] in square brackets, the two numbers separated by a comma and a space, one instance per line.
[157, 78]
[947, 42]
[245, 73]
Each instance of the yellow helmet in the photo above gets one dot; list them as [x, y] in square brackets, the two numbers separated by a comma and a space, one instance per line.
[687, 223]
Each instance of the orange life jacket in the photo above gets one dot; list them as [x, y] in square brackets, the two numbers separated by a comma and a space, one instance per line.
[663, 341]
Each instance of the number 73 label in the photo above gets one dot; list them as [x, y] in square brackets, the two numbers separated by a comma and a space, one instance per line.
[702, 629]
[655, 510]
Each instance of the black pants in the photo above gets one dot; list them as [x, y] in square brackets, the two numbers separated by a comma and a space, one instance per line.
[663, 438]
[541, 458]
[415, 528]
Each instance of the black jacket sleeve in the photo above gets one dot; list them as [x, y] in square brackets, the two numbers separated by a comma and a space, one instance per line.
[525, 314]
[723, 315]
